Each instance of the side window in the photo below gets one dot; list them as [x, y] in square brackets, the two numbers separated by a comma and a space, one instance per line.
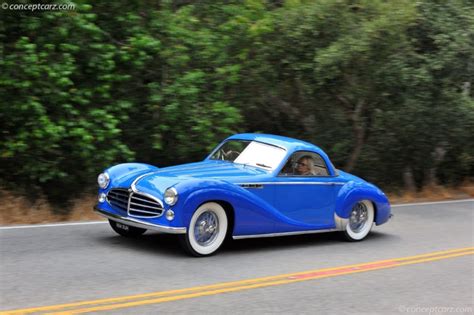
[305, 163]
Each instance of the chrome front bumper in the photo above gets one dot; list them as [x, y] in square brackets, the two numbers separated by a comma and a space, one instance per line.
[140, 224]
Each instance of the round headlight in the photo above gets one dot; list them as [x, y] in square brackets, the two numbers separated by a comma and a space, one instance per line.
[170, 215]
[102, 197]
[171, 196]
[103, 180]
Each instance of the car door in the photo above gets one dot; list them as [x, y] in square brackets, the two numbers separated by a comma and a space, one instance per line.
[308, 198]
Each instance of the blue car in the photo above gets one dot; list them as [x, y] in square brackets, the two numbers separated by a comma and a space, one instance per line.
[251, 185]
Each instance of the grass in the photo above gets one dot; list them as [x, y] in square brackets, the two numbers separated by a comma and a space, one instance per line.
[16, 209]
[434, 193]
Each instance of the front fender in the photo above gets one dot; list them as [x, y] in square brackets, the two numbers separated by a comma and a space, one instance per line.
[353, 192]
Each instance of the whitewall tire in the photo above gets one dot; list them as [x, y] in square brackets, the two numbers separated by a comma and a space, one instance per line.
[207, 230]
[360, 222]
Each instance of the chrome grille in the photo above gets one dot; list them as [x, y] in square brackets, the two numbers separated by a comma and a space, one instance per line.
[143, 206]
[118, 198]
[135, 204]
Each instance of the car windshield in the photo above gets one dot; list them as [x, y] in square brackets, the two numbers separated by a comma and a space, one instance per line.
[252, 153]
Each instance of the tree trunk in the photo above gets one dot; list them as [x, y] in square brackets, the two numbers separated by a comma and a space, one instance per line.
[359, 128]
[437, 155]
[409, 180]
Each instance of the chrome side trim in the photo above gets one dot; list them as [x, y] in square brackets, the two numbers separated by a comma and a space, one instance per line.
[134, 188]
[257, 186]
[291, 183]
[140, 224]
[238, 237]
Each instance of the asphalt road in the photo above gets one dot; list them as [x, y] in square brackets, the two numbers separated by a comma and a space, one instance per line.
[51, 265]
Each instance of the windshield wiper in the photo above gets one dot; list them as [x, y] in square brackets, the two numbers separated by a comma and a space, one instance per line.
[262, 165]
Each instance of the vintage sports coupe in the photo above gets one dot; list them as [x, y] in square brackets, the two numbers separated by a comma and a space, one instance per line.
[251, 185]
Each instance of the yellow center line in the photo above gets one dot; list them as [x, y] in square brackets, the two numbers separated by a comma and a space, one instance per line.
[240, 288]
[186, 293]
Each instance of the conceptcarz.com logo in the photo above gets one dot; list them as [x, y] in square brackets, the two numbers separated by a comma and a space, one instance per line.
[38, 6]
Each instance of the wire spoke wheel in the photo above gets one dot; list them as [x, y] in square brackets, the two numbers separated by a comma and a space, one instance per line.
[359, 216]
[207, 230]
[360, 221]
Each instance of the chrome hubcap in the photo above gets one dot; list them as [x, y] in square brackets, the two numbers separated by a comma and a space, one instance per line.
[358, 218]
[206, 228]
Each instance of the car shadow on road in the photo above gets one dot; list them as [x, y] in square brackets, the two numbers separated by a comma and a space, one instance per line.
[281, 242]
[152, 243]
[167, 244]
[295, 242]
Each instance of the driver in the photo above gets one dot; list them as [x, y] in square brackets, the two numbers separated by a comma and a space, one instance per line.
[305, 166]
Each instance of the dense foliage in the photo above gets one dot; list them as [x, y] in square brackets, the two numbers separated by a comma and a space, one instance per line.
[385, 87]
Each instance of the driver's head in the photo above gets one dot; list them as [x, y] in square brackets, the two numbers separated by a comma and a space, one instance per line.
[304, 166]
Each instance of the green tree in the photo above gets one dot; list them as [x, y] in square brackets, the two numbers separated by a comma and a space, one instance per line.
[384, 86]
[56, 81]
[433, 123]
[329, 65]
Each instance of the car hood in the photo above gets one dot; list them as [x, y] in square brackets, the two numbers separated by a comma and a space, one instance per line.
[163, 178]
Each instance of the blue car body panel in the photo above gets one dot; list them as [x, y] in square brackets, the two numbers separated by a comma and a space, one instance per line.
[261, 201]
[123, 175]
